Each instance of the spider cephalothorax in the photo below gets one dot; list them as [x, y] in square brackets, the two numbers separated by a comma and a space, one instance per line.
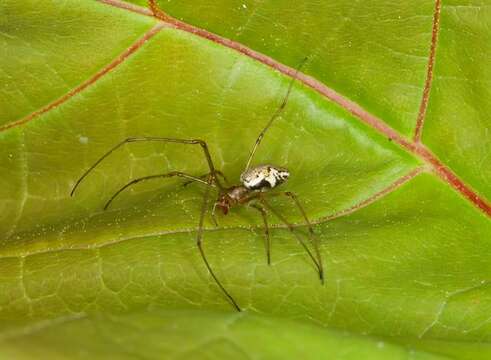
[255, 181]
[231, 196]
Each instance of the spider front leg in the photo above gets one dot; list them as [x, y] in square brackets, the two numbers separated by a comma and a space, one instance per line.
[317, 259]
[144, 178]
[199, 243]
[202, 143]
[213, 216]
[217, 172]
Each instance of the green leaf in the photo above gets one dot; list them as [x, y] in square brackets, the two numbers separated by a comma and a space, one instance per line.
[158, 334]
[404, 225]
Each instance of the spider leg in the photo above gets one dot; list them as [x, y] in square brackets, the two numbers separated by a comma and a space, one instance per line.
[275, 115]
[203, 145]
[266, 230]
[213, 216]
[299, 238]
[218, 172]
[199, 243]
[313, 238]
[167, 175]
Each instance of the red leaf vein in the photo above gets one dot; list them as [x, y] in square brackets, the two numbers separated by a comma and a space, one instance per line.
[413, 146]
[122, 57]
[429, 74]
[390, 188]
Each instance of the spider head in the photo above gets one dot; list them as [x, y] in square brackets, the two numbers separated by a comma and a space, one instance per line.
[230, 197]
[223, 203]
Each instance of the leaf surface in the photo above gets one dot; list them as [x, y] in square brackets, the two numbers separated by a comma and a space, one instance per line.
[403, 225]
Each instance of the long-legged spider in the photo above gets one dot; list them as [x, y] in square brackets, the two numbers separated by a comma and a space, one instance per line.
[255, 181]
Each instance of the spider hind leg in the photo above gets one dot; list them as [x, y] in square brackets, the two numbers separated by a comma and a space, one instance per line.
[266, 230]
[316, 256]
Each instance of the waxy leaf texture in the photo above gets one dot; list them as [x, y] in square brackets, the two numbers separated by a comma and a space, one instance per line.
[385, 133]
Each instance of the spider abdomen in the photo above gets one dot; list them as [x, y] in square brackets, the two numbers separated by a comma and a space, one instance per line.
[263, 177]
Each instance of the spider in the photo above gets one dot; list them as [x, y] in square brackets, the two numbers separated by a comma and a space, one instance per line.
[253, 191]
